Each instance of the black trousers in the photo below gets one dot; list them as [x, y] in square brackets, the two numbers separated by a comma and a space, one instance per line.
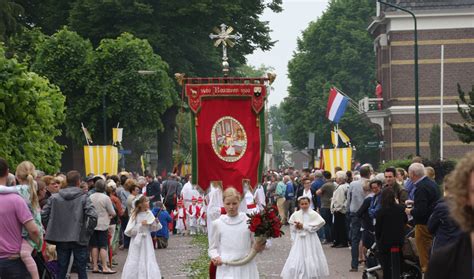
[340, 231]
[386, 261]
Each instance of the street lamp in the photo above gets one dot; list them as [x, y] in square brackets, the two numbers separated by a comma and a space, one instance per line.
[104, 107]
[417, 113]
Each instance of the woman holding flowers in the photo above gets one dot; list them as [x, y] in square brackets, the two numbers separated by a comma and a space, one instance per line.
[306, 259]
[231, 240]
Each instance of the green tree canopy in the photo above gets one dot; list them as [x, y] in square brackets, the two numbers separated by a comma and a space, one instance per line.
[10, 13]
[336, 50]
[136, 101]
[65, 58]
[31, 109]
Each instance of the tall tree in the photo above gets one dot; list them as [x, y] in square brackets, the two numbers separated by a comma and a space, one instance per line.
[178, 31]
[465, 131]
[65, 59]
[10, 14]
[335, 50]
[31, 109]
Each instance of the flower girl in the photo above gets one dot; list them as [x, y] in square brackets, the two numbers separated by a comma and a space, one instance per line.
[306, 259]
[232, 240]
[141, 261]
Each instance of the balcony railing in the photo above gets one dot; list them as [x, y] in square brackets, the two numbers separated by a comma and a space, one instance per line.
[370, 104]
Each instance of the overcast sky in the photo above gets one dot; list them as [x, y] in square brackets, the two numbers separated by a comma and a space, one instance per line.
[287, 27]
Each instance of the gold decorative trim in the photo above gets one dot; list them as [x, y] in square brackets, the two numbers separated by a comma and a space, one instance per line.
[433, 61]
[412, 126]
[433, 42]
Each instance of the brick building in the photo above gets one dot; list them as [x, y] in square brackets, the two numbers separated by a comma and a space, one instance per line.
[440, 22]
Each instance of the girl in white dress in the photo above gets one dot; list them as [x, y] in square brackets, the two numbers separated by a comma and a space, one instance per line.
[141, 260]
[231, 240]
[306, 259]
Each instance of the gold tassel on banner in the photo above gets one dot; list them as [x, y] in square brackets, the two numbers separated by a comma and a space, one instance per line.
[196, 121]
[258, 122]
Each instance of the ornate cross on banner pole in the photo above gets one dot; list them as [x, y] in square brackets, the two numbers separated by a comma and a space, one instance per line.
[223, 37]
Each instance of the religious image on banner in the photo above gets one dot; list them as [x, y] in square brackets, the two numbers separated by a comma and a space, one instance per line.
[229, 139]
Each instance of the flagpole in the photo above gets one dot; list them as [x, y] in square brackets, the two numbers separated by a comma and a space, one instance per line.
[82, 125]
[351, 101]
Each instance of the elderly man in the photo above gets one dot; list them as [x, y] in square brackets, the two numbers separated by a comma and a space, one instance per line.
[426, 195]
[355, 198]
[280, 200]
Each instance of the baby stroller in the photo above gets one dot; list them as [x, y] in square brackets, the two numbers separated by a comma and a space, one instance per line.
[410, 266]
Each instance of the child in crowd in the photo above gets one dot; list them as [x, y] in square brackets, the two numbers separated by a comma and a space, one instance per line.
[141, 260]
[193, 215]
[202, 216]
[180, 215]
[160, 237]
[306, 258]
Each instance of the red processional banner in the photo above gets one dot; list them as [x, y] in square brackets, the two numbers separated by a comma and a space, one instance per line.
[228, 133]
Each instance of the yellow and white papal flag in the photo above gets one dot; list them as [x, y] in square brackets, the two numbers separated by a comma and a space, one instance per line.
[101, 158]
[337, 157]
[117, 135]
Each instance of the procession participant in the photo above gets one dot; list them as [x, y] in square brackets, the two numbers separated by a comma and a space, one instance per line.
[215, 207]
[249, 200]
[193, 215]
[232, 240]
[180, 215]
[187, 193]
[202, 216]
[141, 260]
[259, 197]
[306, 258]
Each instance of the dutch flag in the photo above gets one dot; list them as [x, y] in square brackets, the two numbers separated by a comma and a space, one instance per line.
[337, 105]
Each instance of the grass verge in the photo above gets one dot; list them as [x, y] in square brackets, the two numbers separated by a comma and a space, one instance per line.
[199, 268]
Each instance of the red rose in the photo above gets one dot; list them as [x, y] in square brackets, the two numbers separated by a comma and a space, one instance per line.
[271, 214]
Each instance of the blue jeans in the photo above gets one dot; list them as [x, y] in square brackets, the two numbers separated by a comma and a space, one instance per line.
[13, 269]
[64, 250]
[327, 216]
[356, 234]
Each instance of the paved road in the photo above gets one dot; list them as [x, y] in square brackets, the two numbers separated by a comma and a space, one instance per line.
[172, 261]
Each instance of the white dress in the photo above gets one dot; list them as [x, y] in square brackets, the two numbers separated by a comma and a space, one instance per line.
[306, 259]
[141, 260]
[232, 240]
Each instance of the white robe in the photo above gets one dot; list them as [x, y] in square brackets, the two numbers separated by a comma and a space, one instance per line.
[306, 259]
[214, 208]
[259, 197]
[141, 260]
[231, 239]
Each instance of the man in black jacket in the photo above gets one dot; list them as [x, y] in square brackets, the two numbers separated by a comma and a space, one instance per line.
[426, 195]
[153, 189]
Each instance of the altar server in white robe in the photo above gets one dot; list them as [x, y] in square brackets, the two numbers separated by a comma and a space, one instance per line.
[306, 259]
[232, 240]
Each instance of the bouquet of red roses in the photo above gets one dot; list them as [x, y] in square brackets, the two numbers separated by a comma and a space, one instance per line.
[265, 224]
